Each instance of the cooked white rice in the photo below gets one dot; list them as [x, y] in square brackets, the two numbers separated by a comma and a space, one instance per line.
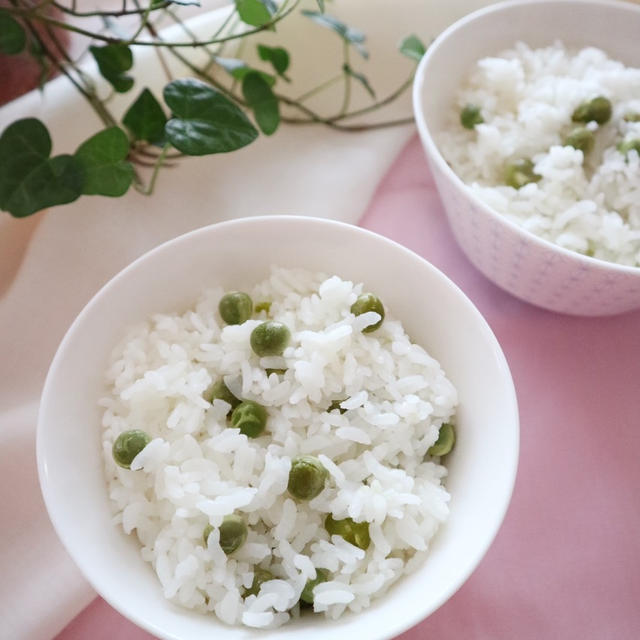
[527, 97]
[197, 469]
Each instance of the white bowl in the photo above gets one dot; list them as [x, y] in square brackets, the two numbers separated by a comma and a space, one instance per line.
[527, 266]
[235, 254]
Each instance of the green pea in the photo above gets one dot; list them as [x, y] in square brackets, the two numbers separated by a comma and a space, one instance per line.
[233, 533]
[270, 338]
[368, 302]
[357, 533]
[470, 116]
[580, 138]
[519, 173]
[628, 145]
[279, 372]
[265, 306]
[335, 404]
[598, 110]
[322, 575]
[307, 477]
[632, 116]
[128, 445]
[219, 391]
[259, 577]
[250, 418]
[444, 443]
[206, 533]
[235, 307]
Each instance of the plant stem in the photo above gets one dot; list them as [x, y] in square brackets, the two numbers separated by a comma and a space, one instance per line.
[319, 88]
[159, 53]
[153, 43]
[93, 100]
[156, 168]
[347, 79]
[144, 19]
[230, 24]
[376, 105]
[115, 14]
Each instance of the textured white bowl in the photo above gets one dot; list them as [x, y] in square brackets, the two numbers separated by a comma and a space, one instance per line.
[527, 266]
[235, 254]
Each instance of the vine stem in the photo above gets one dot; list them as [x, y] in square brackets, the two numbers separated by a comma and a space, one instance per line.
[319, 88]
[347, 79]
[147, 191]
[159, 53]
[30, 13]
[114, 14]
[93, 100]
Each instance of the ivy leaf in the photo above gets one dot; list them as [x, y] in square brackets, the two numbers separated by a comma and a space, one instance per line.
[145, 118]
[412, 47]
[113, 60]
[12, 36]
[277, 56]
[103, 158]
[360, 78]
[348, 34]
[255, 12]
[29, 179]
[204, 120]
[239, 69]
[262, 102]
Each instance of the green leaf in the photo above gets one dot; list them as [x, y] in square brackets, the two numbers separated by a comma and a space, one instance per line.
[412, 47]
[348, 34]
[145, 118]
[360, 78]
[239, 69]
[277, 56]
[320, 5]
[24, 145]
[262, 101]
[106, 172]
[12, 36]
[204, 120]
[255, 12]
[113, 60]
[56, 181]
[29, 179]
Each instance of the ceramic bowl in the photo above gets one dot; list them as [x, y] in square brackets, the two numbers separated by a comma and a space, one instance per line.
[527, 266]
[235, 254]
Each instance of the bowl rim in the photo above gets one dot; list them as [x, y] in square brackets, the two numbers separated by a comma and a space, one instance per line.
[434, 153]
[510, 404]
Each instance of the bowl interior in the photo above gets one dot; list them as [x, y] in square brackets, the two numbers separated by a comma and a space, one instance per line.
[611, 26]
[435, 313]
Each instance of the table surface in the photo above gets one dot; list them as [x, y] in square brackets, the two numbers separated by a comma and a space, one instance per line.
[566, 563]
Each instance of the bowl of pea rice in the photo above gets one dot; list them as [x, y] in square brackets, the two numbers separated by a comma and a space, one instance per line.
[253, 431]
[529, 114]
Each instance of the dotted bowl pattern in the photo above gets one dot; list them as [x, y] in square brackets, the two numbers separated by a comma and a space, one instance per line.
[530, 268]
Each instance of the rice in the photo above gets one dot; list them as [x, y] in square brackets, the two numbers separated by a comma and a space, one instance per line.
[197, 469]
[590, 204]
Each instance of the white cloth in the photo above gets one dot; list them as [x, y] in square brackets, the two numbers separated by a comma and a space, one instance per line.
[71, 251]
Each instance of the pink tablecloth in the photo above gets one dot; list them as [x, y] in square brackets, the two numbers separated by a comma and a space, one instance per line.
[566, 563]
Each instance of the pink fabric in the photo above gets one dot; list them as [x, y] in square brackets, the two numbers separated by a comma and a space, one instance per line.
[566, 563]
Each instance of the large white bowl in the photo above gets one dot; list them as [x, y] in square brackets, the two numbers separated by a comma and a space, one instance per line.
[516, 260]
[235, 254]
